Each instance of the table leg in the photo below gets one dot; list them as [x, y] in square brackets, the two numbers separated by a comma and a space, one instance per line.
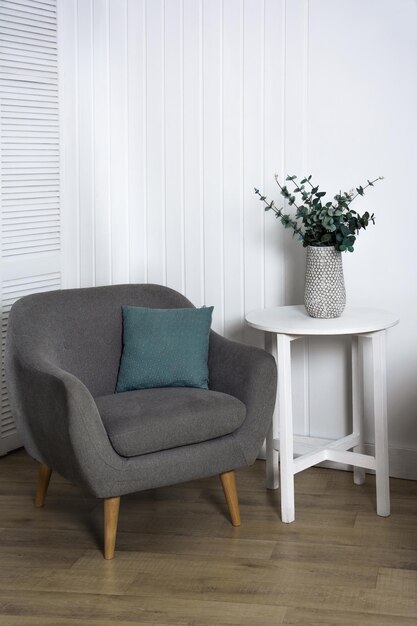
[272, 461]
[272, 455]
[286, 428]
[379, 391]
[357, 403]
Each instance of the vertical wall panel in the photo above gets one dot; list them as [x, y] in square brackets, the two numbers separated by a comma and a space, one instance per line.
[193, 146]
[101, 137]
[69, 133]
[212, 159]
[274, 147]
[155, 141]
[86, 125]
[253, 158]
[137, 165]
[294, 158]
[232, 125]
[174, 128]
[118, 140]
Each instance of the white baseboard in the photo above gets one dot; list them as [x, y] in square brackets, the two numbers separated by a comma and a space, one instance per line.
[402, 462]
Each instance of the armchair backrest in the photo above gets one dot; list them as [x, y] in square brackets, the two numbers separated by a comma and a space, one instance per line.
[80, 330]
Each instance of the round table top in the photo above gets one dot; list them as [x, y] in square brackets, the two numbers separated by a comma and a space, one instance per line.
[294, 320]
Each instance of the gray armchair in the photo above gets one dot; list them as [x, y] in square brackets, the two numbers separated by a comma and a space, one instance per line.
[62, 357]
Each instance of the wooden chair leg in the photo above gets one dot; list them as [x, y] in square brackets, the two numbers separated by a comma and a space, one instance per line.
[111, 518]
[229, 487]
[43, 482]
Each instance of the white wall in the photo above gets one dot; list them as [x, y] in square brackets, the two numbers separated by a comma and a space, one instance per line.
[172, 111]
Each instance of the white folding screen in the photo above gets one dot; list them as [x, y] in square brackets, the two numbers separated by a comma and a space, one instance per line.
[29, 166]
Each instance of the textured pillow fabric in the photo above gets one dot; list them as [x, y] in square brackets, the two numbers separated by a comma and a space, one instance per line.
[164, 348]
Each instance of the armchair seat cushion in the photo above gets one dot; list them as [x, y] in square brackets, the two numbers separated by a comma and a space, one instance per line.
[152, 420]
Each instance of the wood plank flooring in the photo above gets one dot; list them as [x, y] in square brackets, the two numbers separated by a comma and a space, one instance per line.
[179, 560]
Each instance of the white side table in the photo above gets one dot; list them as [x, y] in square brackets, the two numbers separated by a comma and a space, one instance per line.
[288, 323]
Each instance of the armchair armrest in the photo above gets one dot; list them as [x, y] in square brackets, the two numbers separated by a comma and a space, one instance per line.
[65, 429]
[249, 374]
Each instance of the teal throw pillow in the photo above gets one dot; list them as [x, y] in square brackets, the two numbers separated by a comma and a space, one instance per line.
[164, 348]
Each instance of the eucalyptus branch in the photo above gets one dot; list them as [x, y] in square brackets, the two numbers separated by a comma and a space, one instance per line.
[322, 224]
[370, 184]
[288, 222]
[282, 188]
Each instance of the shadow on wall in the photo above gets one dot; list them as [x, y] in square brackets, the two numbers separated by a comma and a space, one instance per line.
[295, 265]
[234, 331]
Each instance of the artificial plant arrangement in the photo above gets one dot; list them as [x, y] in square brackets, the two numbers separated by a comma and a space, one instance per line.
[316, 222]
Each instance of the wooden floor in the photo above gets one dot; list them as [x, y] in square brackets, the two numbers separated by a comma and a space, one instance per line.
[179, 560]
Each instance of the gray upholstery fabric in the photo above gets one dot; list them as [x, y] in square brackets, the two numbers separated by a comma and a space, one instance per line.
[63, 348]
[139, 422]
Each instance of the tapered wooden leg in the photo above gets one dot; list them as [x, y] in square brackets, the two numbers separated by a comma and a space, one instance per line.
[43, 482]
[111, 518]
[229, 487]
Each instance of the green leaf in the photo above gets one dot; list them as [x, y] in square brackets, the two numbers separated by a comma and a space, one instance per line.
[342, 248]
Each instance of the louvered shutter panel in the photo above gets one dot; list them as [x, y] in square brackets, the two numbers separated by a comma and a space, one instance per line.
[29, 166]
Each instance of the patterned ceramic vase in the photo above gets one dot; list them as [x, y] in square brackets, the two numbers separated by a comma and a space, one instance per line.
[325, 294]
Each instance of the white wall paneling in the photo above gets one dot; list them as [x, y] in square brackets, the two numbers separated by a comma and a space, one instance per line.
[156, 140]
[253, 157]
[174, 110]
[174, 157]
[84, 73]
[29, 167]
[212, 138]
